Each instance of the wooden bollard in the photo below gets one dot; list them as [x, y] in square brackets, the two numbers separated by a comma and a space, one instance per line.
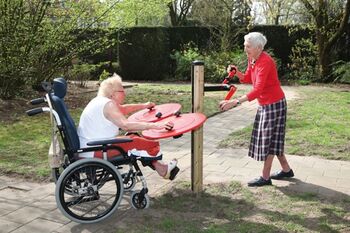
[197, 78]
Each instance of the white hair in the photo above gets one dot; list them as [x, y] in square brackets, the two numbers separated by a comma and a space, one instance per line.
[110, 85]
[257, 39]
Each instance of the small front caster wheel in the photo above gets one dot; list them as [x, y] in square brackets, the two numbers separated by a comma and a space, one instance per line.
[131, 182]
[139, 201]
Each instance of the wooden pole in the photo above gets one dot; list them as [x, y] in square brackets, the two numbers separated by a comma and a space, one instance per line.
[197, 135]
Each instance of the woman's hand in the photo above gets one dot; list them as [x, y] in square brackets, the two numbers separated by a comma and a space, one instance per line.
[227, 104]
[149, 105]
[230, 67]
[164, 125]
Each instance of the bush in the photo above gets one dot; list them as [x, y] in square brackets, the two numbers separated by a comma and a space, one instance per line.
[104, 75]
[81, 73]
[215, 62]
[341, 72]
[39, 41]
[184, 61]
[304, 65]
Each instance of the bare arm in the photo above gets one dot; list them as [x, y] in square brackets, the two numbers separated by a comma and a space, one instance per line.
[128, 108]
[115, 115]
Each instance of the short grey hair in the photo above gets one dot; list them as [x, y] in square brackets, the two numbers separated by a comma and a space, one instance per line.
[110, 85]
[257, 39]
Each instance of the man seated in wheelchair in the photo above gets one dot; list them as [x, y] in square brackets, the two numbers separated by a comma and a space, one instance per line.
[105, 114]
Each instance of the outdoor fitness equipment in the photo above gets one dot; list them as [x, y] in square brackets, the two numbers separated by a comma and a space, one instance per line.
[183, 123]
[225, 86]
[90, 190]
[156, 113]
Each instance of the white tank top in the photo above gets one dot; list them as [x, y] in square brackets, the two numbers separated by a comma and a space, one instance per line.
[93, 124]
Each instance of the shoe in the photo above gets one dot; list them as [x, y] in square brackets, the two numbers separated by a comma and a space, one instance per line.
[172, 170]
[281, 175]
[259, 182]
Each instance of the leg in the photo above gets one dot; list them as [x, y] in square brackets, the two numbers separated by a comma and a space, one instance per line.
[267, 167]
[286, 171]
[284, 163]
[265, 178]
[168, 171]
[160, 168]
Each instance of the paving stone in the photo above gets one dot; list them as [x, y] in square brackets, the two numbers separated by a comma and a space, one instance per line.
[7, 226]
[38, 225]
[48, 203]
[322, 181]
[25, 214]
[343, 183]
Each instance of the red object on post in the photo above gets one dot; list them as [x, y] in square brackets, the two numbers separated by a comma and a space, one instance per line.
[156, 113]
[230, 75]
[182, 124]
[231, 92]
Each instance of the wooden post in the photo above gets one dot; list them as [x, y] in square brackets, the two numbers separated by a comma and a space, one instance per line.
[197, 135]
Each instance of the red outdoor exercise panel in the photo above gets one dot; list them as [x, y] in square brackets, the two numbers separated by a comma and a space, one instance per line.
[156, 113]
[183, 123]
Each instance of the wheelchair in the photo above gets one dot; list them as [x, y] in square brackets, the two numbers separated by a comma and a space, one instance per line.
[89, 190]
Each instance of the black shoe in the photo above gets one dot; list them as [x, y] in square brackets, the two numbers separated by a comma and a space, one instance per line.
[259, 182]
[281, 175]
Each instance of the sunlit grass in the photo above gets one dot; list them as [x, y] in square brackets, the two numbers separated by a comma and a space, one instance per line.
[317, 125]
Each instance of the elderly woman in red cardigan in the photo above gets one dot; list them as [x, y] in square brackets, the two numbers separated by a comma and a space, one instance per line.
[268, 134]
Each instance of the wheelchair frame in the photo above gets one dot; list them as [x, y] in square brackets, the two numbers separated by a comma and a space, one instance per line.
[81, 184]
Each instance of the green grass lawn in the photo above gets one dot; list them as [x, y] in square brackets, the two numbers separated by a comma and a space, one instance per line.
[230, 207]
[318, 124]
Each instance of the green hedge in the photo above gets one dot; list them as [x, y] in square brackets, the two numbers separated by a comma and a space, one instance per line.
[143, 53]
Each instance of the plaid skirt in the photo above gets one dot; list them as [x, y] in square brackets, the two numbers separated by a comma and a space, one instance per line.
[269, 131]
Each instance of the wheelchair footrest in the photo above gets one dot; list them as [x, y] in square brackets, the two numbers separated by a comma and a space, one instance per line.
[143, 155]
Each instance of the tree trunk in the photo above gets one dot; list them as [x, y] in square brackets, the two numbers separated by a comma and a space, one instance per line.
[173, 15]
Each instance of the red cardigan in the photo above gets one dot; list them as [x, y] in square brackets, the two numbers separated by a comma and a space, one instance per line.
[263, 75]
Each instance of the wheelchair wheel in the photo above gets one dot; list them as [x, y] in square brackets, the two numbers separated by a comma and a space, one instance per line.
[139, 201]
[130, 183]
[89, 190]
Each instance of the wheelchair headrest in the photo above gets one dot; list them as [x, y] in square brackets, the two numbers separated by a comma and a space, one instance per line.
[59, 87]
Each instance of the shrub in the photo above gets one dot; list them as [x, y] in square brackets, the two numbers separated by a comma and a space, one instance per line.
[184, 60]
[341, 72]
[104, 75]
[303, 67]
[215, 62]
[39, 40]
[81, 73]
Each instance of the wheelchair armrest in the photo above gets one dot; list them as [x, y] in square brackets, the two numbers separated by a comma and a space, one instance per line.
[109, 141]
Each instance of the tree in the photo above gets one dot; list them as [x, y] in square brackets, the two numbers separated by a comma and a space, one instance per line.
[330, 19]
[223, 16]
[276, 11]
[129, 13]
[178, 11]
[39, 39]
